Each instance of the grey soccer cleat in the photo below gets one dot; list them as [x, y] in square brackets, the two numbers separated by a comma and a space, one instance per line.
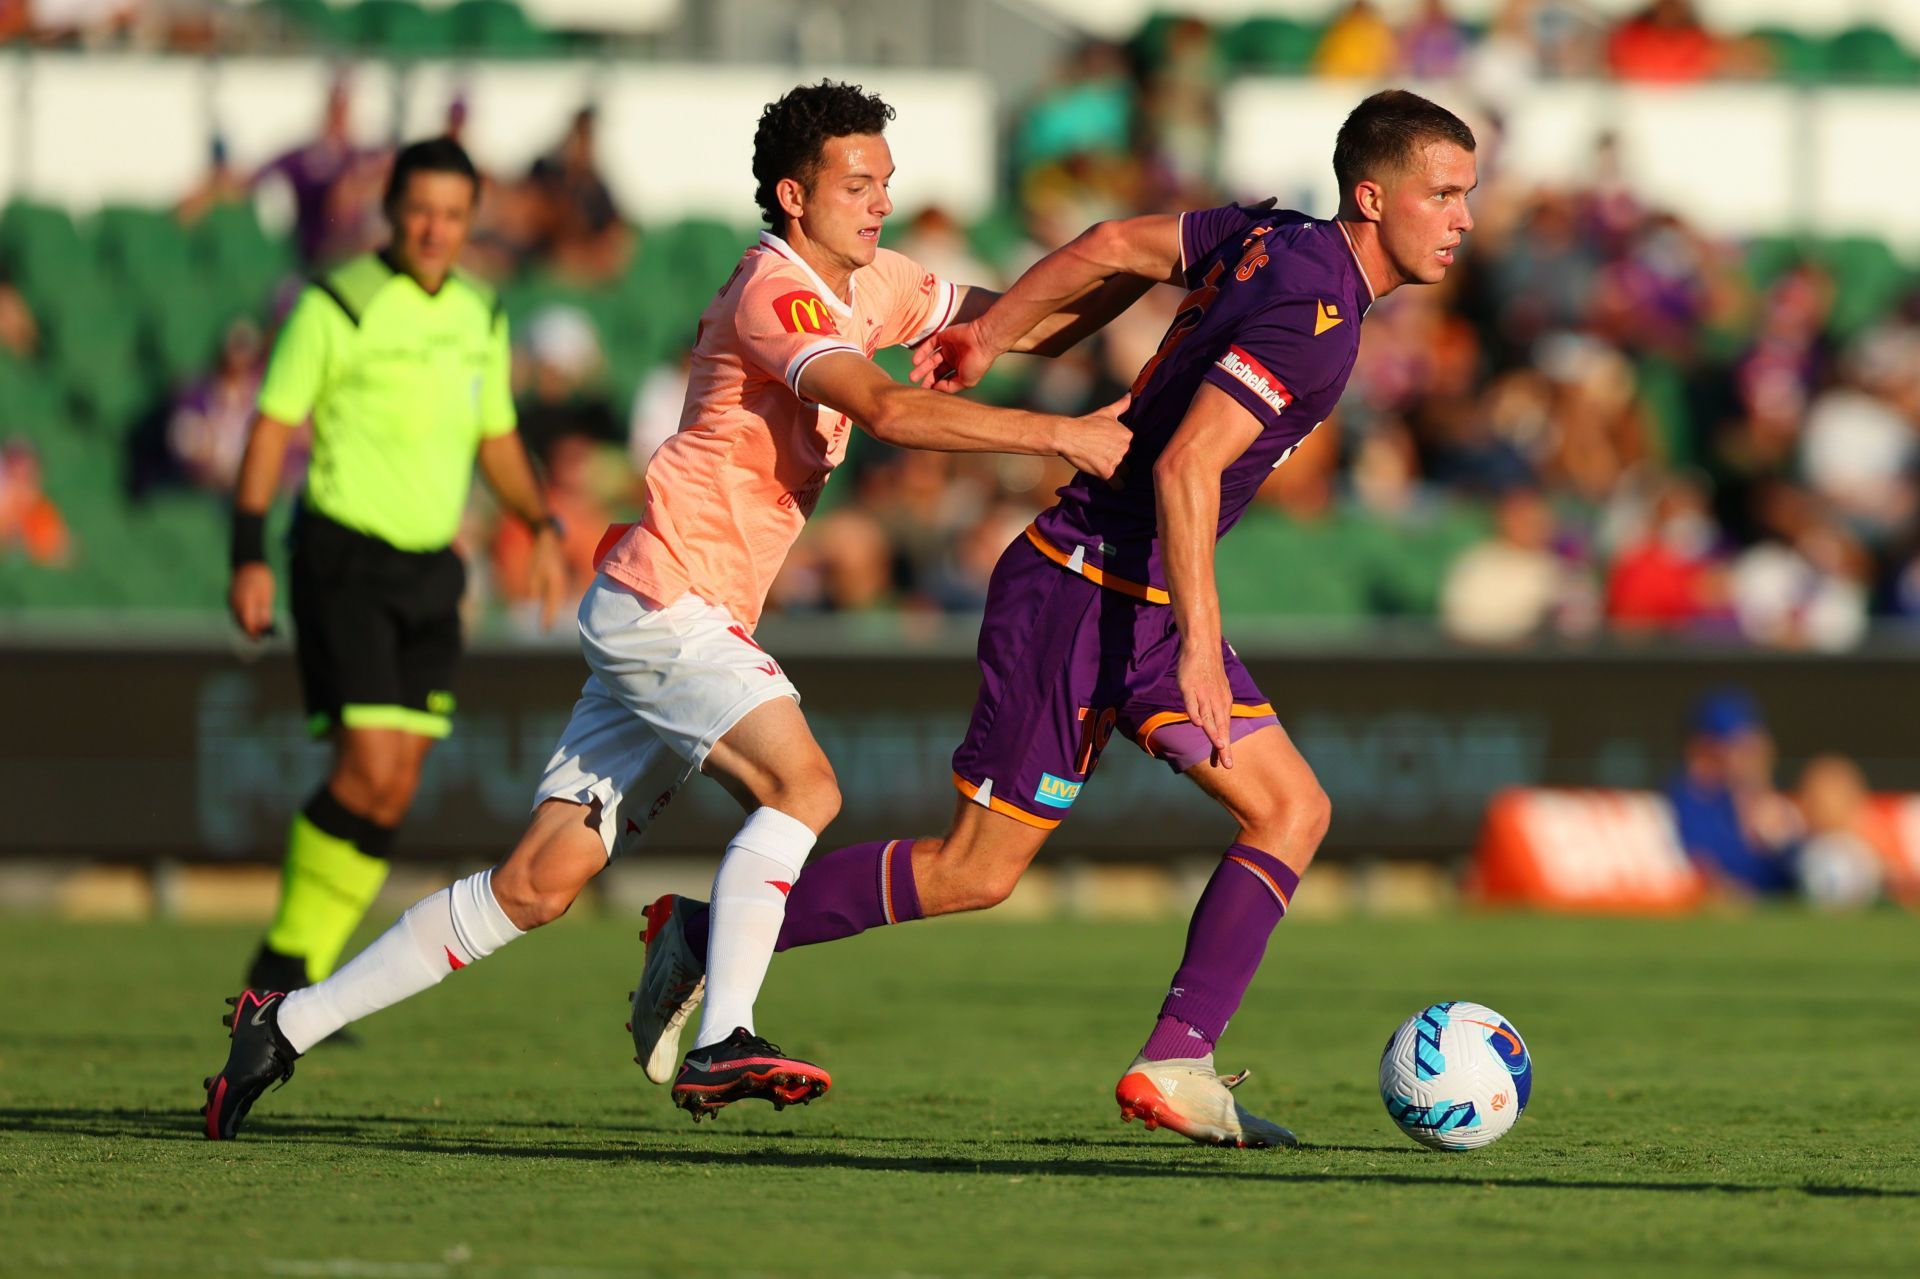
[1187, 1096]
[670, 988]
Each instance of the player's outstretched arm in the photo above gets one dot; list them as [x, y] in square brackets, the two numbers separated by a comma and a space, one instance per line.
[1186, 485]
[250, 595]
[911, 417]
[1059, 300]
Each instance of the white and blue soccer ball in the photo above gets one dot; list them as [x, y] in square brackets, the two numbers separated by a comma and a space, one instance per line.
[1456, 1076]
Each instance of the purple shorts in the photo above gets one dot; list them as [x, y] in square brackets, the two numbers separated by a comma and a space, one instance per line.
[1063, 663]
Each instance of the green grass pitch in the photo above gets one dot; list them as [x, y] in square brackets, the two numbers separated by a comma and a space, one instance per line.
[1715, 1096]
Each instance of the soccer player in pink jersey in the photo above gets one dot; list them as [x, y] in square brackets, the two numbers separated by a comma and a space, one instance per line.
[1103, 617]
[782, 369]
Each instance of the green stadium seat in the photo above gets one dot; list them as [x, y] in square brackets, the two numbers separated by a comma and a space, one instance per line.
[1149, 43]
[1663, 393]
[498, 27]
[1771, 256]
[1796, 56]
[245, 262]
[997, 235]
[1273, 45]
[29, 230]
[1275, 566]
[400, 28]
[1869, 54]
[1869, 281]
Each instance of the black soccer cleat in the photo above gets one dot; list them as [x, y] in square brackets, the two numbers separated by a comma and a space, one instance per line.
[259, 1056]
[744, 1066]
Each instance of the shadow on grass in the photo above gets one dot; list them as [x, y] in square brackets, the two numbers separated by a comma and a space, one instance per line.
[533, 1140]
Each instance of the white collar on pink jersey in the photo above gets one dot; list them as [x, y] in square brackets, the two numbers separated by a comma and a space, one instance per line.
[768, 240]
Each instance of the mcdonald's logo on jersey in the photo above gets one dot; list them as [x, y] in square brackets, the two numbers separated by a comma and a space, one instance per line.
[802, 311]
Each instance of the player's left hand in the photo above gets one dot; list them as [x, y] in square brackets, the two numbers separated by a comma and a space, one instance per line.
[547, 576]
[1209, 699]
[953, 359]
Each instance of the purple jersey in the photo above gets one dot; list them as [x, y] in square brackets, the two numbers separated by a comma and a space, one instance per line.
[1273, 319]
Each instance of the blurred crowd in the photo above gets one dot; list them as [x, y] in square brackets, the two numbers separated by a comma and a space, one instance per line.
[1657, 433]
[1823, 840]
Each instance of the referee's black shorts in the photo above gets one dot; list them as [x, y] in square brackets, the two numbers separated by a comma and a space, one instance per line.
[377, 629]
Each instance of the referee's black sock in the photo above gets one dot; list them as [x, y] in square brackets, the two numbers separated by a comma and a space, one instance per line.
[336, 862]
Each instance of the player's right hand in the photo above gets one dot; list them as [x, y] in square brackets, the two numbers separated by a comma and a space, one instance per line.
[1209, 699]
[251, 599]
[1098, 442]
[953, 359]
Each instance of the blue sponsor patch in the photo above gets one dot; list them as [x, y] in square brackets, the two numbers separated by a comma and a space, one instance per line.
[1056, 792]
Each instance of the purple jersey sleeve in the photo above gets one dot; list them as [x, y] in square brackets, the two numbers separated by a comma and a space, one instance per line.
[1203, 230]
[1269, 365]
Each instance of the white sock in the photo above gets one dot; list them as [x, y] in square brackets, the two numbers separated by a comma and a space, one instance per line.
[437, 935]
[749, 904]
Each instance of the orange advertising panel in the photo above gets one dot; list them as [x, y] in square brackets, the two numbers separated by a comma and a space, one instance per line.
[1584, 850]
[1895, 833]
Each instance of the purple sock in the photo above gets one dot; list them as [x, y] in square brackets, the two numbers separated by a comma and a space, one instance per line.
[1246, 897]
[847, 891]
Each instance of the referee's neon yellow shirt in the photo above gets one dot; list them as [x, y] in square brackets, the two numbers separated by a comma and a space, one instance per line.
[402, 385]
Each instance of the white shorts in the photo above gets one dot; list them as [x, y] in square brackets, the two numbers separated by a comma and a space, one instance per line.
[667, 684]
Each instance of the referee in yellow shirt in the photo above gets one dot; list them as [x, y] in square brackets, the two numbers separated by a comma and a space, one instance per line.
[402, 362]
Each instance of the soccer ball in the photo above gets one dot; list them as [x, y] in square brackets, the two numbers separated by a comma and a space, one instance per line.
[1455, 1076]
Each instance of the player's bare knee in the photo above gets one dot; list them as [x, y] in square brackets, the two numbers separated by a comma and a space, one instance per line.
[527, 903]
[809, 794]
[1289, 818]
[1316, 818]
[995, 887]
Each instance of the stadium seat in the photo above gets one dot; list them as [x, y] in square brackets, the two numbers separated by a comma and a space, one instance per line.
[1663, 393]
[1796, 56]
[997, 235]
[1869, 280]
[1869, 54]
[1771, 256]
[246, 263]
[182, 340]
[1149, 44]
[497, 27]
[400, 28]
[112, 392]
[1275, 566]
[1272, 45]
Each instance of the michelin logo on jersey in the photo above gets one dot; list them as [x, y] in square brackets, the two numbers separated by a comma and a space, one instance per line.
[1246, 370]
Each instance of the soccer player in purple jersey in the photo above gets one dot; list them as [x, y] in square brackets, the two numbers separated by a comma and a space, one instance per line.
[1104, 616]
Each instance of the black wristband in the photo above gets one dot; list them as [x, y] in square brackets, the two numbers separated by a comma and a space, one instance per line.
[249, 539]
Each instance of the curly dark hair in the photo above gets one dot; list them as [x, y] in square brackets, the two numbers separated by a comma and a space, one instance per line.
[1383, 133]
[794, 131]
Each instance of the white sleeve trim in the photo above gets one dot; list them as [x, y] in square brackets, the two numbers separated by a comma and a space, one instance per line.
[946, 300]
[799, 363]
[1180, 233]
